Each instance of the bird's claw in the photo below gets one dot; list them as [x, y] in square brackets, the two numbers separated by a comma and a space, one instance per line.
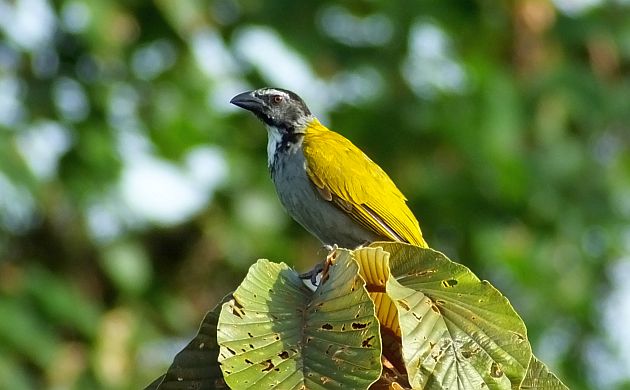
[322, 266]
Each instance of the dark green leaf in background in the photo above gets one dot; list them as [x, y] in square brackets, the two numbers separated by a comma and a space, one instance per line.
[196, 366]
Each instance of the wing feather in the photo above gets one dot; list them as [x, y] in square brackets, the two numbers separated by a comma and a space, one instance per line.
[358, 186]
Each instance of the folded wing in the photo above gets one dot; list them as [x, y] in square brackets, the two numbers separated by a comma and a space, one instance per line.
[344, 175]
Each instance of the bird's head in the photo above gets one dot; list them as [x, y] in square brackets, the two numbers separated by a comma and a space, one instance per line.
[276, 107]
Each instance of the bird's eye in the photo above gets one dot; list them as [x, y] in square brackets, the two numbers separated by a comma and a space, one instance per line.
[277, 99]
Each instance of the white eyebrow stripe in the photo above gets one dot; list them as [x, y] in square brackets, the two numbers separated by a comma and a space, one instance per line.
[272, 91]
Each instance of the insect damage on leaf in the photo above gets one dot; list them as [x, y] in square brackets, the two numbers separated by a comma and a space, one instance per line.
[403, 304]
[237, 308]
[495, 370]
[358, 325]
[268, 365]
[449, 283]
[327, 327]
[367, 343]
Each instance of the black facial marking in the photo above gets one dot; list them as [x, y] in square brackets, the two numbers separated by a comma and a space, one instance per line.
[288, 139]
[281, 108]
[284, 147]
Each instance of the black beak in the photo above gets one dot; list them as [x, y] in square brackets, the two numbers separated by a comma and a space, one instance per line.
[248, 101]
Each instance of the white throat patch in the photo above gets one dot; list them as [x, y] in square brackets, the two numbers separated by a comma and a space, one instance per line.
[274, 138]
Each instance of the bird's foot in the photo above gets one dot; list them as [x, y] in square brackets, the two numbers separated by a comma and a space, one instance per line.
[321, 267]
[313, 273]
[330, 248]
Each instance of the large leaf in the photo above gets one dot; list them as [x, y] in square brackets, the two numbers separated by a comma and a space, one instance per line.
[275, 332]
[538, 377]
[196, 366]
[458, 332]
[374, 269]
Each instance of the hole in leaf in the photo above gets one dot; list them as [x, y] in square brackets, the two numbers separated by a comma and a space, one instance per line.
[423, 273]
[435, 309]
[403, 304]
[520, 337]
[366, 343]
[449, 283]
[268, 365]
[237, 309]
[250, 334]
[495, 370]
[284, 355]
[233, 352]
[248, 361]
[327, 327]
[358, 325]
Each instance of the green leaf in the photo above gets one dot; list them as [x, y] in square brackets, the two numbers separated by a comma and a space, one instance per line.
[458, 332]
[196, 366]
[374, 269]
[275, 331]
[538, 377]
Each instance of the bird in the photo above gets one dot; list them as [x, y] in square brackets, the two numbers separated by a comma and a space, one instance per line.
[325, 182]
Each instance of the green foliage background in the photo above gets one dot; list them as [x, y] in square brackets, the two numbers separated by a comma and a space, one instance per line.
[506, 124]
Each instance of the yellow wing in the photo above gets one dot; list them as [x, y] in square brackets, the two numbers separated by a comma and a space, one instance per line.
[346, 176]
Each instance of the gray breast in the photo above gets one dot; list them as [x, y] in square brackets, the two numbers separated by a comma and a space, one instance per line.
[303, 202]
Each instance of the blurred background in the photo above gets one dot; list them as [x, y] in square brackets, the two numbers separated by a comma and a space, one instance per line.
[133, 196]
